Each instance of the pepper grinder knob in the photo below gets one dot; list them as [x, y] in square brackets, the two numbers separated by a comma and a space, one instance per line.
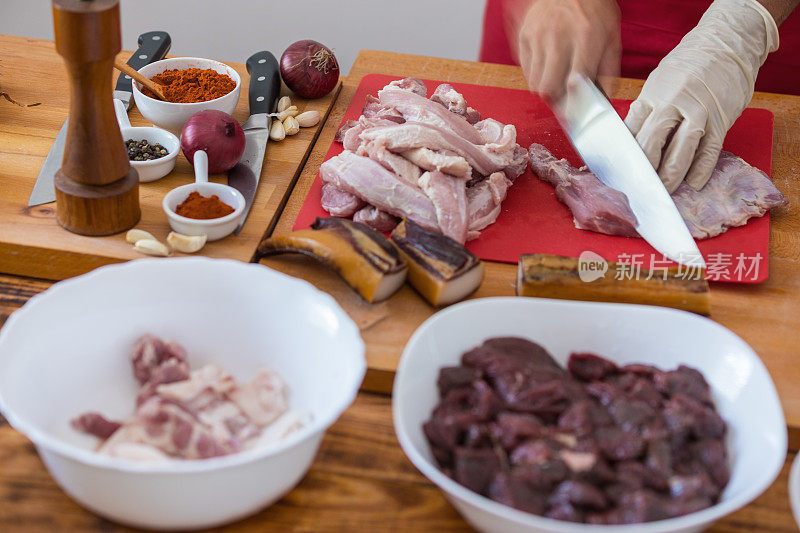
[97, 191]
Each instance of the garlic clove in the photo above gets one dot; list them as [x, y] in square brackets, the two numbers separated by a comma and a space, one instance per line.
[284, 103]
[308, 119]
[291, 126]
[151, 247]
[277, 131]
[290, 111]
[187, 244]
[135, 235]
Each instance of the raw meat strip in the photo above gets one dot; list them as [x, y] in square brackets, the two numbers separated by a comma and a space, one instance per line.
[485, 159]
[518, 164]
[595, 206]
[442, 161]
[449, 198]
[417, 108]
[735, 193]
[453, 100]
[375, 219]
[405, 169]
[484, 201]
[339, 137]
[351, 135]
[95, 424]
[374, 109]
[339, 203]
[412, 84]
[375, 185]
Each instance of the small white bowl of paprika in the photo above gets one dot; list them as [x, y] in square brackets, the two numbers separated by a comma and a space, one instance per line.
[200, 213]
[173, 115]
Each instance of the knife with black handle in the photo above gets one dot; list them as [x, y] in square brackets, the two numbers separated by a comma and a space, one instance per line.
[153, 46]
[265, 87]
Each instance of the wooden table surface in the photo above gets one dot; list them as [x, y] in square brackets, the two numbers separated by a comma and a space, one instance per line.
[361, 479]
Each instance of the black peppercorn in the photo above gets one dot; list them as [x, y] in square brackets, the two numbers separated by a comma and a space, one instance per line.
[144, 151]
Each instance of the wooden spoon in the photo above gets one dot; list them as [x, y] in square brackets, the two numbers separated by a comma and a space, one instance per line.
[125, 68]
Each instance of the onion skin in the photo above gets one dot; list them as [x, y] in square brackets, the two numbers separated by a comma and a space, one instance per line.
[309, 69]
[218, 135]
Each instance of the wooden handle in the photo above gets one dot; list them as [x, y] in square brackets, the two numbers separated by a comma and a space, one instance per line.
[125, 68]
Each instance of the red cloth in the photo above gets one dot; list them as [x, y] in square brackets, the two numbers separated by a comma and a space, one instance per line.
[650, 29]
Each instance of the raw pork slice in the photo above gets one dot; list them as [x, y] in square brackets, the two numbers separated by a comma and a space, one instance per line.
[339, 203]
[376, 219]
[595, 206]
[735, 193]
[367, 179]
[449, 197]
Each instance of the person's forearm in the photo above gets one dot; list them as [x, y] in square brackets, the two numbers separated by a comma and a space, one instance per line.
[779, 9]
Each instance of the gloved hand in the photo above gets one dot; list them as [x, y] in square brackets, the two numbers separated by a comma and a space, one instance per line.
[700, 88]
[556, 37]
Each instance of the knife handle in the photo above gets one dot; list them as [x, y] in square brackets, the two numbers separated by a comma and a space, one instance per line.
[265, 82]
[153, 46]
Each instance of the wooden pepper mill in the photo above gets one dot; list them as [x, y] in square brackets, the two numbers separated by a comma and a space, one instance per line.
[97, 191]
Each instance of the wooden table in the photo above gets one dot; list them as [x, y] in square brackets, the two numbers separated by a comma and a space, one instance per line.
[361, 479]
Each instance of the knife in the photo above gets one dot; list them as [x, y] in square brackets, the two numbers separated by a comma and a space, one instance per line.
[611, 152]
[265, 86]
[153, 46]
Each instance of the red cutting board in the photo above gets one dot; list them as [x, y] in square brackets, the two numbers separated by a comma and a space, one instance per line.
[534, 221]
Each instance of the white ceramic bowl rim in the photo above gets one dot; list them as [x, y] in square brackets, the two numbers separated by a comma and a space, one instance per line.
[432, 472]
[171, 154]
[237, 211]
[317, 424]
[236, 78]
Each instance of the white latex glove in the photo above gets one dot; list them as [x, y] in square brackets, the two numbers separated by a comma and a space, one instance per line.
[700, 88]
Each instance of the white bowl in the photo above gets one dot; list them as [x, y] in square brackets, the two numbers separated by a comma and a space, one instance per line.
[155, 168]
[213, 228]
[742, 389]
[66, 352]
[794, 488]
[172, 116]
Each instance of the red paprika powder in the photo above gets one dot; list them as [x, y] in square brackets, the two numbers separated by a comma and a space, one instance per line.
[202, 207]
[192, 85]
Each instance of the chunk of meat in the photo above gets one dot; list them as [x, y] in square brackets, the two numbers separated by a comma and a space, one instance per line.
[454, 101]
[374, 109]
[590, 367]
[416, 108]
[340, 203]
[412, 84]
[476, 468]
[595, 206]
[511, 488]
[454, 377]
[449, 197]
[95, 424]
[518, 164]
[735, 193]
[484, 200]
[442, 161]
[263, 399]
[367, 179]
[150, 352]
[402, 167]
[344, 128]
[376, 219]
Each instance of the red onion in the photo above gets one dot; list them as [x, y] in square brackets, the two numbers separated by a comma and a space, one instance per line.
[218, 135]
[309, 69]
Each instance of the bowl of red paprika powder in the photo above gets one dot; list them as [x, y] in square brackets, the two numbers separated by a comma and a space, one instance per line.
[191, 84]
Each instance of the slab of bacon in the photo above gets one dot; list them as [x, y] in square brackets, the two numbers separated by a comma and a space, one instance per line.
[183, 414]
[431, 160]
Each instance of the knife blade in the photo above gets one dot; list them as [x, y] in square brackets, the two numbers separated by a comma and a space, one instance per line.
[153, 46]
[264, 89]
[611, 152]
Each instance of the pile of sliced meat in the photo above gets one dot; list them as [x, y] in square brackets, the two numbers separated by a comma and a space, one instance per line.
[735, 193]
[596, 443]
[431, 160]
[197, 414]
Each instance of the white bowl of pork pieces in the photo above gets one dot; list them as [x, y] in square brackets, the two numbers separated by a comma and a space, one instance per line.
[66, 352]
[571, 444]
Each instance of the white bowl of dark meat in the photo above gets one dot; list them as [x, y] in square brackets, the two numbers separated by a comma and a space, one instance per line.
[66, 352]
[546, 466]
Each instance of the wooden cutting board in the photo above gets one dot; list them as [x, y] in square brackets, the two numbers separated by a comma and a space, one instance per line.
[31, 241]
[764, 315]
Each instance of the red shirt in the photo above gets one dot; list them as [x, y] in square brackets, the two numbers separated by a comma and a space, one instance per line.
[650, 29]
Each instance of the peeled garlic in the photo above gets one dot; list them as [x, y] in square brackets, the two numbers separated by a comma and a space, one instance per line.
[187, 244]
[135, 235]
[151, 247]
[290, 111]
[291, 126]
[277, 132]
[308, 119]
[284, 103]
